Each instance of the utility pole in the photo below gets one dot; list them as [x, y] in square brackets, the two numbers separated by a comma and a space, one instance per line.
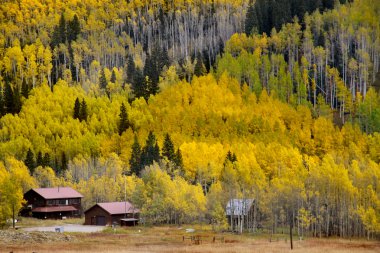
[125, 196]
[291, 232]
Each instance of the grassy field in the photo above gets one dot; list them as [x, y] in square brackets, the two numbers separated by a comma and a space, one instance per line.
[32, 222]
[170, 239]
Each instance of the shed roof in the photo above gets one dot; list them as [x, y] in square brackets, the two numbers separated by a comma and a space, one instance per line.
[57, 193]
[239, 206]
[116, 207]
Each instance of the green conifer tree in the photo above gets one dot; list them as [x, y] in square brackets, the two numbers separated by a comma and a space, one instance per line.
[131, 70]
[113, 77]
[76, 113]
[251, 21]
[2, 104]
[25, 89]
[46, 160]
[168, 149]
[139, 84]
[123, 119]
[29, 161]
[151, 151]
[8, 98]
[199, 69]
[64, 166]
[73, 29]
[40, 159]
[83, 111]
[102, 80]
[135, 161]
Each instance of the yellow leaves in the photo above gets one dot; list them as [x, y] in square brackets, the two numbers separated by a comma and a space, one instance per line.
[202, 158]
[45, 177]
[14, 181]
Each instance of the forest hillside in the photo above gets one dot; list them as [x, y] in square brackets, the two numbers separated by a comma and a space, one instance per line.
[185, 105]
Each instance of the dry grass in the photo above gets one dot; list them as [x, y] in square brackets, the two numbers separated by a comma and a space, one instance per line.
[33, 222]
[169, 240]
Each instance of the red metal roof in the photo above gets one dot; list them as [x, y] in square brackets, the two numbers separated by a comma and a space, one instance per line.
[58, 193]
[52, 209]
[118, 207]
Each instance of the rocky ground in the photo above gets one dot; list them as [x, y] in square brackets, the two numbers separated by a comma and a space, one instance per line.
[11, 236]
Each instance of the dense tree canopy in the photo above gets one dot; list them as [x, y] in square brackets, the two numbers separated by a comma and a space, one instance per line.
[119, 96]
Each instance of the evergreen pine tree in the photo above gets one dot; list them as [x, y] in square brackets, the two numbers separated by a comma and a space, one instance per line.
[178, 160]
[62, 29]
[83, 111]
[138, 84]
[102, 80]
[76, 114]
[153, 67]
[25, 89]
[135, 161]
[2, 104]
[168, 149]
[46, 160]
[29, 161]
[199, 69]
[16, 101]
[73, 29]
[151, 151]
[63, 163]
[131, 70]
[40, 160]
[8, 98]
[251, 18]
[113, 77]
[156, 153]
[123, 119]
[230, 157]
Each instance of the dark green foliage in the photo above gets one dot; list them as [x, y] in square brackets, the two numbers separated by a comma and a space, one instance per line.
[2, 104]
[264, 15]
[168, 149]
[139, 85]
[102, 80]
[123, 119]
[73, 29]
[251, 21]
[8, 98]
[178, 160]
[113, 77]
[16, 101]
[153, 67]
[151, 151]
[83, 111]
[25, 89]
[76, 113]
[135, 161]
[230, 157]
[40, 160]
[199, 69]
[12, 100]
[131, 70]
[63, 163]
[59, 33]
[29, 161]
[46, 160]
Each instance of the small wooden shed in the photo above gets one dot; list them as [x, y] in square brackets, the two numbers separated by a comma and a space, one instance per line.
[102, 214]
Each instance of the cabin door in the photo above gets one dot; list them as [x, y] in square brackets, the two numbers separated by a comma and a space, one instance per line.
[100, 220]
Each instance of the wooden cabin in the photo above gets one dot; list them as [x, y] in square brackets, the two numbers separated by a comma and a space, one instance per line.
[53, 203]
[102, 214]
